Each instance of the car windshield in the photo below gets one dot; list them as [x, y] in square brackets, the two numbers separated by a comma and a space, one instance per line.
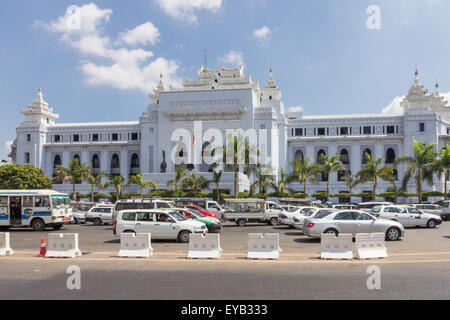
[293, 209]
[177, 216]
[60, 202]
[322, 214]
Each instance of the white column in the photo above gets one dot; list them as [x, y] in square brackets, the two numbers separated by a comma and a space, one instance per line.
[124, 165]
[85, 157]
[355, 158]
[104, 164]
[332, 150]
[66, 159]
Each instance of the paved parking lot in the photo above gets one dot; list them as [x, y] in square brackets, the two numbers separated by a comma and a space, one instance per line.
[417, 267]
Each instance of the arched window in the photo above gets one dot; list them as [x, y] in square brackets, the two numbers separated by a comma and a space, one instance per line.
[207, 152]
[319, 159]
[390, 156]
[115, 164]
[364, 156]
[77, 157]
[57, 161]
[95, 162]
[134, 161]
[299, 155]
[344, 158]
[395, 175]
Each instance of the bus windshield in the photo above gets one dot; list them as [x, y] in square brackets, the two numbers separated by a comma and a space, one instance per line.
[60, 202]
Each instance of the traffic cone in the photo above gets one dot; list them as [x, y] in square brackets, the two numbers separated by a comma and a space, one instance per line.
[43, 250]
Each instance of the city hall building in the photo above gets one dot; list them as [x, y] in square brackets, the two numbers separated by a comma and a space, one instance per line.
[228, 99]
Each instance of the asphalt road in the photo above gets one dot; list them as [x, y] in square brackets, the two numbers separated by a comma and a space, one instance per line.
[418, 267]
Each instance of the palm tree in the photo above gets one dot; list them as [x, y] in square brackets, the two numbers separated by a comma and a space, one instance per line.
[95, 180]
[373, 171]
[137, 179]
[180, 173]
[263, 179]
[328, 166]
[237, 145]
[304, 171]
[283, 183]
[419, 166]
[118, 182]
[442, 165]
[75, 173]
[195, 183]
[396, 191]
[350, 182]
[217, 175]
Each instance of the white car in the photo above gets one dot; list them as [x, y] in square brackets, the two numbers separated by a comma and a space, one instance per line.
[313, 213]
[161, 224]
[78, 216]
[367, 206]
[287, 217]
[407, 216]
[101, 214]
[431, 209]
[343, 206]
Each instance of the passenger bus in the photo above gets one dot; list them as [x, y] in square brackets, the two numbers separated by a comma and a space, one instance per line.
[34, 208]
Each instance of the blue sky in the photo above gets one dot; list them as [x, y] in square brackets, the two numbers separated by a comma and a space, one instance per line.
[323, 56]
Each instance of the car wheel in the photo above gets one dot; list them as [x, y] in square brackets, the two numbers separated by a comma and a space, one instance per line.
[38, 225]
[97, 221]
[5, 228]
[332, 231]
[129, 231]
[273, 221]
[431, 224]
[183, 236]
[393, 234]
[57, 226]
[241, 222]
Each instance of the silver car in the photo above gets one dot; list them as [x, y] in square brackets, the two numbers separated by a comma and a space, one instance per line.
[352, 222]
[431, 209]
[299, 219]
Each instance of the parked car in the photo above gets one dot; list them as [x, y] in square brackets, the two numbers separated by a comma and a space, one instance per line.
[79, 217]
[367, 206]
[343, 206]
[198, 209]
[432, 209]
[161, 224]
[214, 225]
[316, 213]
[352, 222]
[252, 210]
[101, 214]
[287, 217]
[407, 216]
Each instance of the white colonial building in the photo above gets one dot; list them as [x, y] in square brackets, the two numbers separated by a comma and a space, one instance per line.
[227, 99]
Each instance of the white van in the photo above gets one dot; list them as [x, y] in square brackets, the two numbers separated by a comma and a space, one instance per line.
[141, 203]
[161, 224]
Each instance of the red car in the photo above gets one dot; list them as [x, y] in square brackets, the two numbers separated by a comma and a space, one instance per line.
[199, 209]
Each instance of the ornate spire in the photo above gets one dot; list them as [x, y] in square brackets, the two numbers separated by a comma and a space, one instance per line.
[271, 84]
[160, 86]
[417, 88]
[39, 108]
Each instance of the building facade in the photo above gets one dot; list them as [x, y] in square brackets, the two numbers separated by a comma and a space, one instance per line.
[221, 100]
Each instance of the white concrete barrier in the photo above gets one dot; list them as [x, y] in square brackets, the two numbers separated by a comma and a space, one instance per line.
[263, 246]
[333, 247]
[204, 246]
[371, 246]
[62, 245]
[5, 248]
[135, 245]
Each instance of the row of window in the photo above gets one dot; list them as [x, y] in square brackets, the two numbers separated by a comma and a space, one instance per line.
[131, 136]
[344, 131]
[345, 158]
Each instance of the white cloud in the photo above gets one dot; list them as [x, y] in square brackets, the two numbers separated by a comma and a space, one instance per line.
[185, 9]
[122, 68]
[141, 35]
[7, 150]
[394, 106]
[262, 34]
[296, 109]
[232, 58]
